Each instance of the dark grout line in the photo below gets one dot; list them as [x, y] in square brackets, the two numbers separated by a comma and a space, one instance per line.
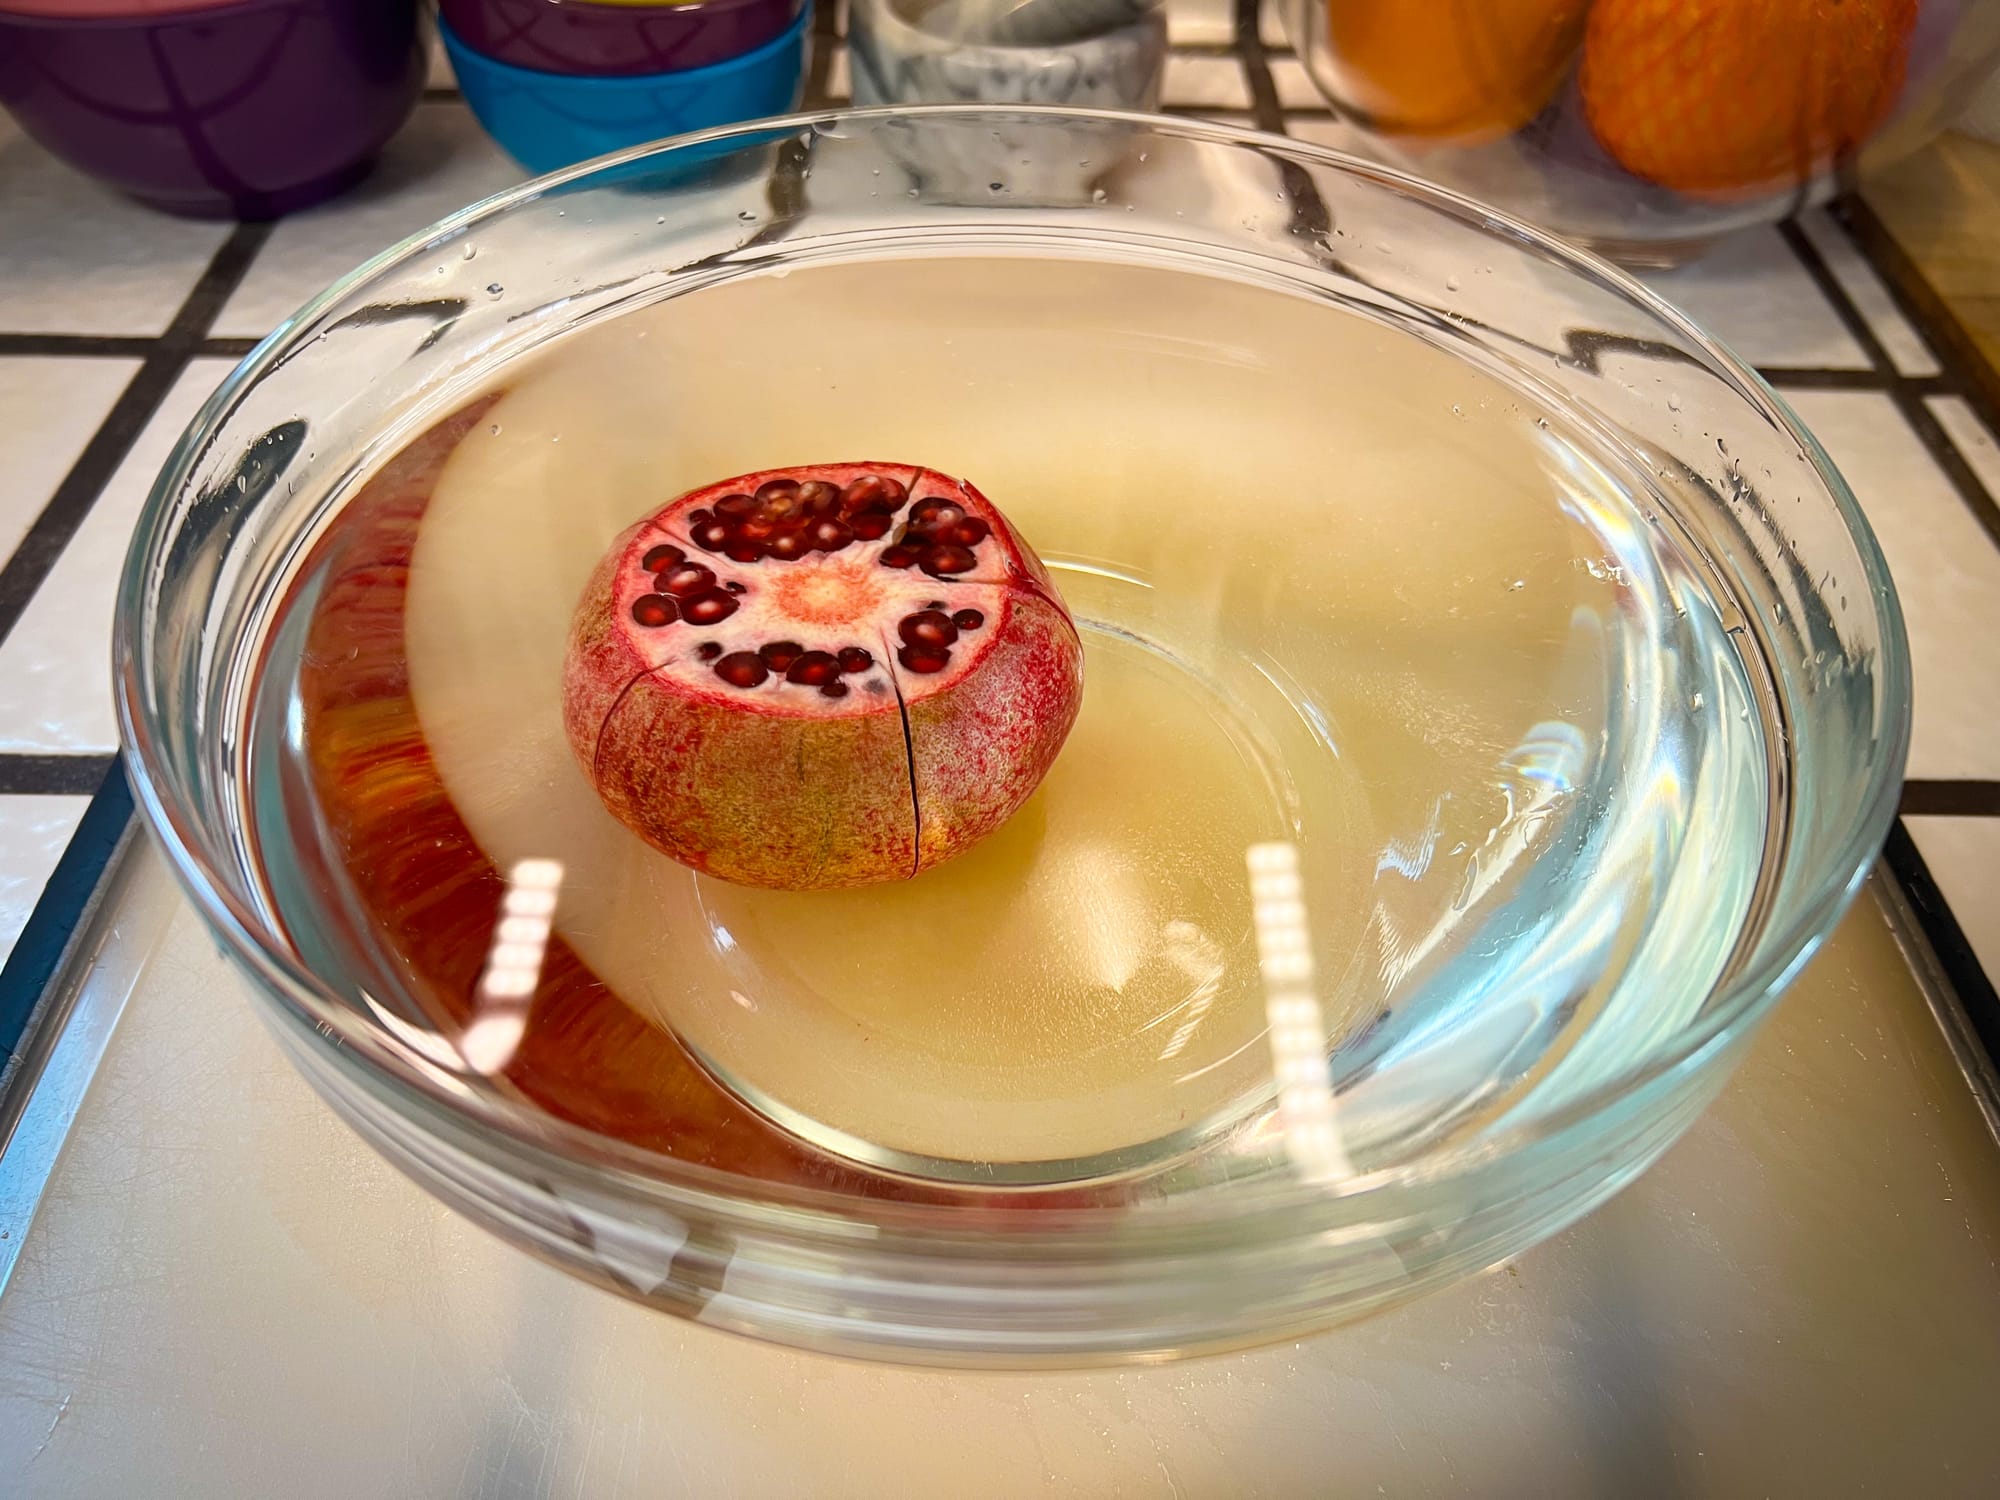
[442, 93]
[52, 775]
[1919, 302]
[1951, 799]
[236, 348]
[1264, 106]
[1908, 393]
[1827, 378]
[39, 551]
[1954, 953]
[74, 346]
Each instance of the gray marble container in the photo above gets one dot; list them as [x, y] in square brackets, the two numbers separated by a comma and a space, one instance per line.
[915, 52]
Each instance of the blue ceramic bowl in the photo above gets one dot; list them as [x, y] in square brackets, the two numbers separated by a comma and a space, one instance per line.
[551, 120]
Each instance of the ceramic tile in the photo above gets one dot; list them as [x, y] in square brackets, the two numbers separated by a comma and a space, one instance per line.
[1947, 574]
[1752, 293]
[440, 162]
[77, 258]
[1271, 26]
[1864, 288]
[34, 831]
[55, 667]
[1971, 437]
[1963, 855]
[1201, 23]
[839, 78]
[1295, 86]
[49, 408]
[1205, 83]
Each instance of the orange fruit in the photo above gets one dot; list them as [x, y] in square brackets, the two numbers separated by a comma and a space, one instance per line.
[1459, 70]
[1724, 98]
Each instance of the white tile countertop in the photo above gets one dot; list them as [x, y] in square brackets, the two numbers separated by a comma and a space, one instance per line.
[116, 321]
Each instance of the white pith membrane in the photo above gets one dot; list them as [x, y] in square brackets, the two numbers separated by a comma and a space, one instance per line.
[823, 602]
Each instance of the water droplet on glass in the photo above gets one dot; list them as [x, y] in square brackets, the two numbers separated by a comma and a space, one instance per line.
[1451, 283]
[1098, 195]
[1517, 585]
[494, 429]
[1457, 410]
[747, 217]
[494, 289]
[996, 187]
[661, 219]
[1695, 703]
[913, 192]
[468, 252]
[1673, 402]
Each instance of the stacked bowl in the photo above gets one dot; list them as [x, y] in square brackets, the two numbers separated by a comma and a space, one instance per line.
[243, 108]
[559, 81]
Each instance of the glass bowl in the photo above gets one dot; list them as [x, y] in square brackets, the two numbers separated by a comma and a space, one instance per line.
[1535, 699]
[1645, 128]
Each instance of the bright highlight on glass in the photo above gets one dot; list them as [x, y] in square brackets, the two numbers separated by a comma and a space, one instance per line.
[513, 966]
[1298, 1031]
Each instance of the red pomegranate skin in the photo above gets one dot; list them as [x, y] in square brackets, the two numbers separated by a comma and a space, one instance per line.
[737, 747]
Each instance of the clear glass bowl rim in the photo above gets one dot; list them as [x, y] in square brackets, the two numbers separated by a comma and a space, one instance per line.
[386, 1060]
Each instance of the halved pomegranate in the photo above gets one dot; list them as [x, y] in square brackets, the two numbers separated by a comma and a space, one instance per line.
[821, 676]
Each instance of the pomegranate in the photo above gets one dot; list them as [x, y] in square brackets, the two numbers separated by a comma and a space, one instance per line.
[821, 676]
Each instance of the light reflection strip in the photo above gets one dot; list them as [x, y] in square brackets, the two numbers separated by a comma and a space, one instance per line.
[513, 966]
[1297, 1028]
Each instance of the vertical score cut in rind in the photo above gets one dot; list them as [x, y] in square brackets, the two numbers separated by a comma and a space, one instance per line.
[828, 675]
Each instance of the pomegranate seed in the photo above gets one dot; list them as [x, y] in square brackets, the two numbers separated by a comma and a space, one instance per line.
[946, 558]
[967, 533]
[688, 578]
[781, 654]
[711, 536]
[930, 627]
[937, 508]
[700, 517]
[854, 659]
[654, 609]
[968, 619]
[788, 547]
[898, 556]
[741, 669]
[813, 669]
[831, 536]
[708, 651]
[735, 507]
[711, 608]
[661, 558]
[776, 489]
[743, 552]
[834, 690]
[923, 659]
[755, 530]
[819, 498]
[871, 492]
[871, 525]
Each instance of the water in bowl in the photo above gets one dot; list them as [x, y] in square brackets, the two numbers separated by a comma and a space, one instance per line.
[1359, 620]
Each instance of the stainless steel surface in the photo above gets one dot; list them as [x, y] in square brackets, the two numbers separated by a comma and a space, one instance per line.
[224, 1294]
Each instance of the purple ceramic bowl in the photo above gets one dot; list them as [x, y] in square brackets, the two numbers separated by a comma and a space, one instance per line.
[251, 109]
[576, 38]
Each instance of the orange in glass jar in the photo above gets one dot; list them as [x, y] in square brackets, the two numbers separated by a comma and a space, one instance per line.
[1728, 98]
[1451, 70]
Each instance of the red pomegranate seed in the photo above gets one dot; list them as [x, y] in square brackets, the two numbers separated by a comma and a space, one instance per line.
[871, 525]
[700, 517]
[659, 559]
[779, 655]
[924, 659]
[688, 578]
[928, 627]
[937, 508]
[813, 669]
[831, 536]
[854, 659]
[898, 556]
[834, 690]
[819, 498]
[708, 651]
[789, 547]
[741, 669]
[946, 558]
[743, 552]
[872, 491]
[711, 608]
[967, 533]
[773, 489]
[654, 609]
[968, 619]
[711, 536]
[735, 507]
